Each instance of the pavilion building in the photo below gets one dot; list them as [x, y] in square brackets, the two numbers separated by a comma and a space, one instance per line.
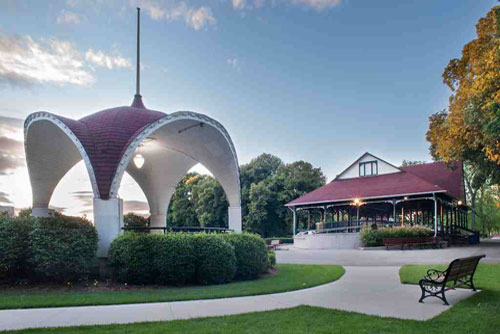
[373, 191]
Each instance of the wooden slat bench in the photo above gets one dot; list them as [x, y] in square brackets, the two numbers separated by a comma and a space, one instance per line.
[274, 245]
[410, 242]
[460, 273]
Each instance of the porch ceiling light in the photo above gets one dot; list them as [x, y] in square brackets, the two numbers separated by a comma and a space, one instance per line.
[459, 202]
[139, 160]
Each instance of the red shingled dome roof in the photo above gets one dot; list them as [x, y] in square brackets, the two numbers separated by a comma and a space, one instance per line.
[424, 178]
[106, 134]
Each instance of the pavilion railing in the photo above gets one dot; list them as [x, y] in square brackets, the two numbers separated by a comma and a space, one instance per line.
[177, 229]
[352, 226]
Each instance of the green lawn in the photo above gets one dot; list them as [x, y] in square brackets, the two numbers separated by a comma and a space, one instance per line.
[478, 314]
[290, 277]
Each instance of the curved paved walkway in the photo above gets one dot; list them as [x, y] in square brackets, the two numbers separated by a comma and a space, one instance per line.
[370, 290]
[392, 257]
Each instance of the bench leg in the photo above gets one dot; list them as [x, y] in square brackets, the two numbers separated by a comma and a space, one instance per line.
[422, 297]
[444, 298]
[439, 294]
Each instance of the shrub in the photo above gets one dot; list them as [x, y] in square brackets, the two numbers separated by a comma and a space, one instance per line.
[175, 258]
[62, 247]
[172, 258]
[272, 259]
[216, 260]
[373, 237]
[133, 220]
[132, 255]
[14, 248]
[251, 255]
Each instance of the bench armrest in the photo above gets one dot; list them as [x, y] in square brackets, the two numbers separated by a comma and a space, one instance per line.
[435, 275]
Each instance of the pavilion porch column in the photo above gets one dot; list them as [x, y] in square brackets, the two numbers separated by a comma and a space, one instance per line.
[294, 211]
[234, 218]
[394, 210]
[435, 216]
[308, 220]
[108, 221]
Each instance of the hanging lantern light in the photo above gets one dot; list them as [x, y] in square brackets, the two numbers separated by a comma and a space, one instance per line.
[139, 160]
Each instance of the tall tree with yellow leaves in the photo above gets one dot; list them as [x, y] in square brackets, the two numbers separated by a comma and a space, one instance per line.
[469, 129]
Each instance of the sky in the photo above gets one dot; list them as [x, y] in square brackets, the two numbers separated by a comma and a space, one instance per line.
[316, 80]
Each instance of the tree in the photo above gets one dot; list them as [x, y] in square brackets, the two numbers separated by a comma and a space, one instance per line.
[181, 211]
[412, 163]
[259, 169]
[134, 220]
[488, 209]
[469, 129]
[267, 214]
[475, 180]
[210, 202]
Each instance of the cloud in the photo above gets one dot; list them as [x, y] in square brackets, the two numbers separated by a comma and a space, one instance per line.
[235, 63]
[67, 17]
[99, 58]
[239, 4]
[196, 18]
[319, 5]
[24, 62]
[86, 197]
[131, 206]
[11, 150]
[4, 198]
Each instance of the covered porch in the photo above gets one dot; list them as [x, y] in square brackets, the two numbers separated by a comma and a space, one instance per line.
[446, 216]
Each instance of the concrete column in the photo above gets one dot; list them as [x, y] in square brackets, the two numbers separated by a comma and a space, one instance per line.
[435, 216]
[294, 210]
[108, 220]
[158, 220]
[42, 212]
[234, 219]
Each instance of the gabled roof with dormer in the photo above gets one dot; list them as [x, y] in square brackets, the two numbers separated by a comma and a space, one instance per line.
[436, 177]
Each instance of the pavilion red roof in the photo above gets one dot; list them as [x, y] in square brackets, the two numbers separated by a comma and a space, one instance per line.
[418, 179]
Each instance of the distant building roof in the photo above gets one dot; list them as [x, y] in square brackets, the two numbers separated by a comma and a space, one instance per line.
[411, 180]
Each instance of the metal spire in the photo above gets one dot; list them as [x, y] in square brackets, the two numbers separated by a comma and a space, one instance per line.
[138, 98]
[138, 80]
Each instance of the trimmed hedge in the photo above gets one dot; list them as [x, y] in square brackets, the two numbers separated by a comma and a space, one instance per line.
[176, 255]
[62, 247]
[172, 258]
[216, 260]
[151, 258]
[251, 255]
[132, 256]
[272, 259]
[14, 246]
[373, 237]
[59, 248]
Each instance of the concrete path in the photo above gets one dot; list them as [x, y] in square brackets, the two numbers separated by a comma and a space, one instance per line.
[392, 257]
[370, 290]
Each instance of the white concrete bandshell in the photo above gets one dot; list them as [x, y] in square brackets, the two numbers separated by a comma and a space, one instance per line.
[51, 150]
[181, 140]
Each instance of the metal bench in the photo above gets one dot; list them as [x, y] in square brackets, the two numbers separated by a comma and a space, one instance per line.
[460, 273]
[410, 242]
[273, 245]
